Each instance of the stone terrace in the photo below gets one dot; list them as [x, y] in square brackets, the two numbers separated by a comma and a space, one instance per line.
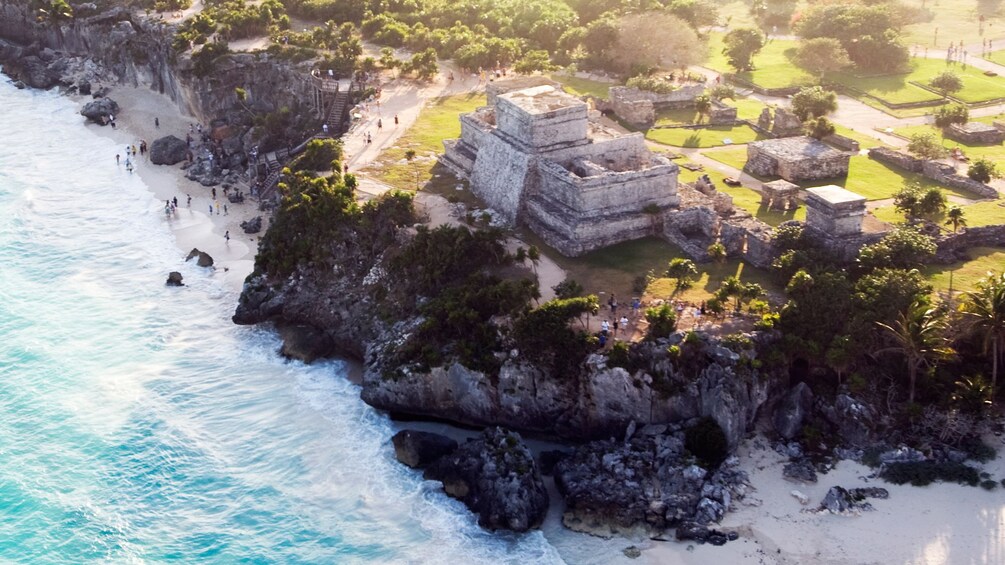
[796, 159]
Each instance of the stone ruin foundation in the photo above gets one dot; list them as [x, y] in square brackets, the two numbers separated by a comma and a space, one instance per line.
[834, 211]
[796, 159]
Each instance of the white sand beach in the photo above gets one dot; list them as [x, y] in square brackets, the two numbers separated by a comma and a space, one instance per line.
[193, 227]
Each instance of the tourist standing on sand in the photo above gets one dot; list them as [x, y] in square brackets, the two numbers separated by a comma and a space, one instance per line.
[396, 120]
[189, 200]
[217, 207]
[617, 326]
[605, 327]
[157, 122]
[210, 208]
[380, 125]
[175, 201]
[226, 236]
[624, 324]
[116, 158]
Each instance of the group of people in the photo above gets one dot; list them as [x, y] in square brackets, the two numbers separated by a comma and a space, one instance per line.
[620, 325]
[131, 151]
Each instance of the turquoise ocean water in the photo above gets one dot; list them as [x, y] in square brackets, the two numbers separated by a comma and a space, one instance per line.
[138, 425]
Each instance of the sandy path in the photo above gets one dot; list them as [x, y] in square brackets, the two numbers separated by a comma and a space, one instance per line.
[192, 227]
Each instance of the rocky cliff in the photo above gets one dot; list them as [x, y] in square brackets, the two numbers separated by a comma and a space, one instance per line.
[120, 46]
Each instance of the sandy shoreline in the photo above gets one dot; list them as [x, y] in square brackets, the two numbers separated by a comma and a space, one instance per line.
[192, 226]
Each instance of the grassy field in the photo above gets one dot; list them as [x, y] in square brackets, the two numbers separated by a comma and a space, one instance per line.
[877, 181]
[996, 57]
[582, 86]
[712, 136]
[735, 157]
[976, 215]
[744, 198]
[746, 109]
[710, 276]
[773, 66]
[993, 152]
[967, 274]
[438, 121]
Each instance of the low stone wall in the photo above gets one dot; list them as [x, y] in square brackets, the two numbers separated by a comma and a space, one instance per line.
[896, 158]
[953, 247]
[842, 142]
[639, 106]
[692, 229]
[722, 114]
[939, 172]
[975, 133]
[947, 176]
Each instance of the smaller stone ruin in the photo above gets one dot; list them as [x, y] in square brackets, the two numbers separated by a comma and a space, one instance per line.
[786, 124]
[796, 159]
[722, 114]
[834, 211]
[780, 195]
[639, 107]
[975, 133]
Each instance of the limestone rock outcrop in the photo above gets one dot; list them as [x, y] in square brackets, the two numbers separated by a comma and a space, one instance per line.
[168, 150]
[202, 258]
[418, 449]
[497, 478]
[174, 279]
[99, 110]
[793, 411]
[305, 343]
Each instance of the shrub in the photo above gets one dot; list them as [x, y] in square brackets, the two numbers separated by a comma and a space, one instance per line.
[951, 114]
[651, 84]
[318, 155]
[662, 321]
[922, 473]
[926, 146]
[706, 441]
[619, 356]
[983, 170]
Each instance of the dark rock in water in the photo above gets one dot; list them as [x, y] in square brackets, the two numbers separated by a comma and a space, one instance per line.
[793, 410]
[840, 501]
[853, 419]
[99, 110]
[101, 92]
[168, 150]
[305, 343]
[84, 87]
[548, 459]
[496, 477]
[800, 471]
[632, 552]
[253, 225]
[19, 85]
[418, 449]
[204, 259]
[174, 279]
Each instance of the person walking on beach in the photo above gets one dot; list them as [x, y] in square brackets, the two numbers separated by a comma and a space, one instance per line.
[157, 122]
[175, 201]
[226, 236]
[213, 191]
[225, 212]
[396, 120]
[210, 208]
[116, 158]
[217, 207]
[189, 200]
[380, 125]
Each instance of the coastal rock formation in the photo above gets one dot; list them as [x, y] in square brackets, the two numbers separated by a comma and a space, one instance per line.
[645, 484]
[99, 110]
[305, 343]
[497, 478]
[168, 150]
[842, 501]
[418, 449]
[203, 259]
[253, 225]
[174, 279]
[793, 411]
[853, 420]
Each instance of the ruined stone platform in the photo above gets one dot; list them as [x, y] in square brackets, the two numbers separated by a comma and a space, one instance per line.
[796, 159]
[834, 210]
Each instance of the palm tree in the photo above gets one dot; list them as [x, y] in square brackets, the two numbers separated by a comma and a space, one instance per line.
[703, 105]
[985, 310]
[954, 217]
[919, 335]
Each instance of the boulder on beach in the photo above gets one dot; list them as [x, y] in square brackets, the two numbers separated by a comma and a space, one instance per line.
[497, 478]
[99, 110]
[36, 73]
[253, 225]
[203, 259]
[174, 279]
[418, 449]
[168, 150]
[793, 411]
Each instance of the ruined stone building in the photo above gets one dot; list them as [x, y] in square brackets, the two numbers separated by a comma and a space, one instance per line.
[535, 157]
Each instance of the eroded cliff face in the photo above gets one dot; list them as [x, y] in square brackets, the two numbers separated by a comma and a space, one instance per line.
[601, 400]
[119, 46]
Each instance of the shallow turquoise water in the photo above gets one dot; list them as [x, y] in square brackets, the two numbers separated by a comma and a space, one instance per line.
[138, 425]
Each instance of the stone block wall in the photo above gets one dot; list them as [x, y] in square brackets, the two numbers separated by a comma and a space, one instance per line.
[842, 142]
[975, 132]
[761, 162]
[501, 175]
[952, 247]
[639, 106]
[947, 176]
[896, 158]
[722, 114]
[540, 130]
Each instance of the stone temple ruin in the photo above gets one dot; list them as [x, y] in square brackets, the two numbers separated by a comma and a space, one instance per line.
[535, 157]
[796, 159]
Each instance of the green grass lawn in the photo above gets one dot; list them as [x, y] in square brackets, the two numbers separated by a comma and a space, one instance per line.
[710, 276]
[746, 109]
[582, 86]
[712, 136]
[864, 140]
[744, 198]
[988, 213]
[996, 57]
[955, 20]
[994, 152]
[877, 181]
[439, 120]
[966, 274]
[735, 157]
[773, 66]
